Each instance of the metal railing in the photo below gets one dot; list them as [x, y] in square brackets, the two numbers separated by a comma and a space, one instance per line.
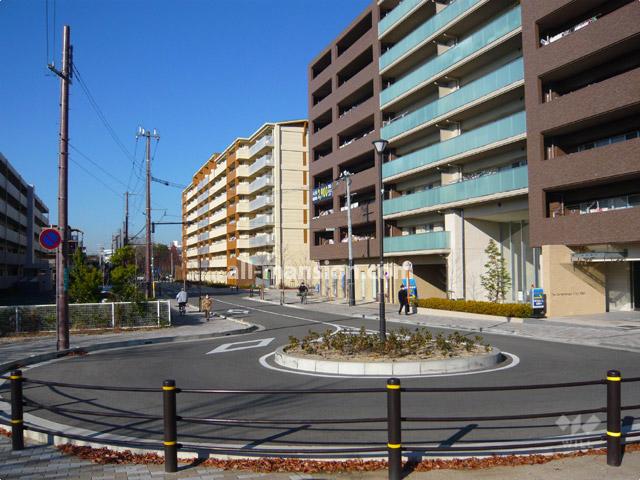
[614, 438]
[85, 316]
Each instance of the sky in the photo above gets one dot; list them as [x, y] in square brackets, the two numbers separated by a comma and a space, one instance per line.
[201, 72]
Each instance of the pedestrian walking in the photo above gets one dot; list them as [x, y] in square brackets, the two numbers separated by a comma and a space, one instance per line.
[403, 299]
[302, 292]
[207, 303]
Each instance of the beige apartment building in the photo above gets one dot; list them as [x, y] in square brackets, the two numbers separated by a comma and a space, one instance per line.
[246, 210]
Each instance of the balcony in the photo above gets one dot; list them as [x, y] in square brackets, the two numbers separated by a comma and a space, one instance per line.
[218, 231]
[499, 131]
[396, 15]
[259, 164]
[220, 262]
[426, 31]
[266, 141]
[218, 216]
[260, 183]
[243, 188]
[219, 246]
[471, 45]
[497, 80]
[261, 241]
[242, 171]
[260, 202]
[259, 222]
[243, 153]
[263, 259]
[500, 182]
[436, 241]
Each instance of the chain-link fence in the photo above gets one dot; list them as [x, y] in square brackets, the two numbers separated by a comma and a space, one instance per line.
[85, 316]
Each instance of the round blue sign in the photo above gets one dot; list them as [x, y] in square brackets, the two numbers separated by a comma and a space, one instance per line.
[50, 238]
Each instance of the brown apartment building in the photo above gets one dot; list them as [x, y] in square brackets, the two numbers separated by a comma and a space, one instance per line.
[582, 89]
[344, 118]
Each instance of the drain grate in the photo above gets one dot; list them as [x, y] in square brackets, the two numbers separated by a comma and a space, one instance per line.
[629, 327]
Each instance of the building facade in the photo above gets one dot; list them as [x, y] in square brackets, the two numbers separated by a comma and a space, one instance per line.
[344, 118]
[582, 75]
[452, 104]
[246, 210]
[23, 215]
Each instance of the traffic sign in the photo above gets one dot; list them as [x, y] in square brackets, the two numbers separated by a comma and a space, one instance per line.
[50, 238]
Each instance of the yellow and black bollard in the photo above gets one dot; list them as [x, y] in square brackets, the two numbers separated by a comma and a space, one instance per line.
[17, 420]
[614, 436]
[170, 426]
[394, 429]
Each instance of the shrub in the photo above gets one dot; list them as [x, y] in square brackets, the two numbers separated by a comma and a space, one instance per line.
[399, 343]
[521, 310]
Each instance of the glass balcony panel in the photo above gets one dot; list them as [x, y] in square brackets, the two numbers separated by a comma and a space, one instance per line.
[417, 242]
[485, 135]
[497, 28]
[502, 181]
[500, 78]
[425, 30]
[396, 14]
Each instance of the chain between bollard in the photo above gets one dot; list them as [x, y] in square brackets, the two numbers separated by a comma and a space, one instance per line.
[169, 391]
[394, 429]
[614, 435]
[17, 420]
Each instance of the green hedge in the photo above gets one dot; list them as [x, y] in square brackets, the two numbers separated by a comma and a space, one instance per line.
[522, 310]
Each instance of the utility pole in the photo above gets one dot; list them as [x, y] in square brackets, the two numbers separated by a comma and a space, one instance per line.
[148, 252]
[126, 219]
[62, 273]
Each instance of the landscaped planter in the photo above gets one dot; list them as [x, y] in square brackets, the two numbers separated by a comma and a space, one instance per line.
[389, 367]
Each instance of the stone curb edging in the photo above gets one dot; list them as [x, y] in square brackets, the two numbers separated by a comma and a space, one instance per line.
[471, 316]
[399, 368]
[43, 357]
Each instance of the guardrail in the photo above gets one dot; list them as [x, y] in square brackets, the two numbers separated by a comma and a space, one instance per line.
[614, 438]
[85, 316]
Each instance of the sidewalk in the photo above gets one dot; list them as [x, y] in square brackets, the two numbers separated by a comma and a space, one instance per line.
[41, 461]
[616, 331]
[191, 326]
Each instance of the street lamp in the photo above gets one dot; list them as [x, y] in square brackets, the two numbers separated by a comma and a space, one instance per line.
[346, 177]
[381, 147]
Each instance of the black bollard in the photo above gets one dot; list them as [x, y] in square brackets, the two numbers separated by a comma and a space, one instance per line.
[614, 436]
[17, 420]
[394, 429]
[170, 426]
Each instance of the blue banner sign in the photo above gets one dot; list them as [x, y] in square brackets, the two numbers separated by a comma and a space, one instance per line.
[537, 298]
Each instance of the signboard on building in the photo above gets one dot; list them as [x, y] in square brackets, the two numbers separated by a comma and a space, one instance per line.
[322, 192]
[538, 301]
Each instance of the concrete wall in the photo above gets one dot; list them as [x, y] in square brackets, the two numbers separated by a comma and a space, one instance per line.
[478, 233]
[571, 289]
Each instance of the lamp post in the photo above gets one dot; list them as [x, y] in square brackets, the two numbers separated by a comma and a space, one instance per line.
[346, 177]
[381, 147]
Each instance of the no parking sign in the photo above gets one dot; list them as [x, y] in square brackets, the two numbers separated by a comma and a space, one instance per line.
[50, 238]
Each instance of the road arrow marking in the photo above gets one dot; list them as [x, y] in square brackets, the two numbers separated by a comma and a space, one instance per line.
[232, 347]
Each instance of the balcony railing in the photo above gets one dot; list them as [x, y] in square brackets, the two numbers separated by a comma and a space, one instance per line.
[426, 30]
[265, 141]
[260, 241]
[260, 202]
[500, 182]
[262, 259]
[262, 162]
[491, 32]
[506, 75]
[260, 183]
[417, 242]
[493, 132]
[397, 14]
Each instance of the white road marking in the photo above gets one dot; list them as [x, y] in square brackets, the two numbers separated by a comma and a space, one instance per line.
[515, 360]
[234, 346]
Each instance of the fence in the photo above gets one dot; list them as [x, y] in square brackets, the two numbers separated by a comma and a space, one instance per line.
[85, 316]
[614, 438]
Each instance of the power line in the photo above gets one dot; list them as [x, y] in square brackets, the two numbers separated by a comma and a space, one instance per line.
[98, 179]
[97, 165]
[101, 116]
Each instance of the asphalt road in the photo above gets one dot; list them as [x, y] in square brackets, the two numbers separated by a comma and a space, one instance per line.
[236, 367]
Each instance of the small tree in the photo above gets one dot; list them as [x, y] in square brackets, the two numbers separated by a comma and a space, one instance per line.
[123, 274]
[496, 281]
[85, 280]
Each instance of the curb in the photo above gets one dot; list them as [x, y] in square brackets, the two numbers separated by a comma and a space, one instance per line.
[43, 357]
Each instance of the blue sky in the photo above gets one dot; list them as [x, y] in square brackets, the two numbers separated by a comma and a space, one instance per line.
[202, 72]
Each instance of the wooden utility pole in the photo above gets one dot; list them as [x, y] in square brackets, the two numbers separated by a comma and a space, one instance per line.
[62, 273]
[148, 248]
[125, 241]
